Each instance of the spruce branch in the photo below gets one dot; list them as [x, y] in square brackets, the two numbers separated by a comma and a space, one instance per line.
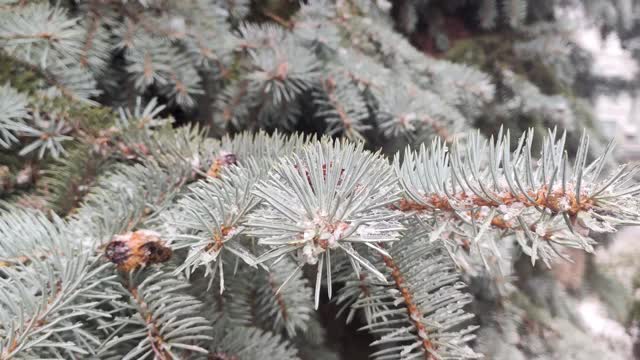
[258, 298]
[326, 201]
[209, 218]
[46, 248]
[48, 133]
[65, 183]
[475, 89]
[131, 195]
[234, 104]
[253, 344]
[342, 106]
[126, 198]
[332, 196]
[142, 117]
[165, 322]
[29, 235]
[48, 41]
[529, 100]
[49, 289]
[542, 204]
[288, 308]
[406, 111]
[283, 71]
[356, 292]
[314, 25]
[13, 112]
[42, 33]
[419, 316]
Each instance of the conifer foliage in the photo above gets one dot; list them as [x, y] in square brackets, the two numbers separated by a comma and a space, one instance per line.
[320, 204]
[126, 235]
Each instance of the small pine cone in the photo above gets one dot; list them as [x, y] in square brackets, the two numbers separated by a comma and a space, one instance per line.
[224, 159]
[136, 249]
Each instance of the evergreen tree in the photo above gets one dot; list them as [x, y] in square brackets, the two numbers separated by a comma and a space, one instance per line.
[194, 179]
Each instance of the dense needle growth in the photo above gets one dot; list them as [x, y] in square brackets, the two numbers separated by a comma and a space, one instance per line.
[196, 179]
